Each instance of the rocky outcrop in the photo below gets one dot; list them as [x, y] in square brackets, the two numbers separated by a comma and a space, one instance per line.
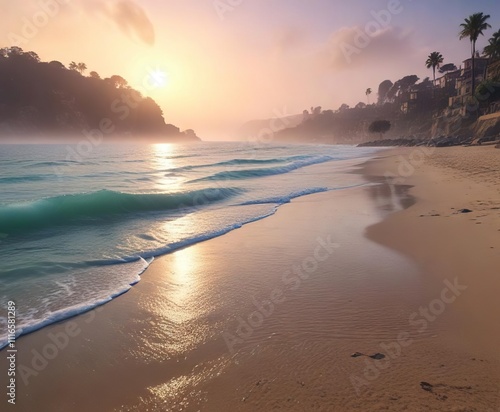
[405, 142]
[443, 141]
[487, 126]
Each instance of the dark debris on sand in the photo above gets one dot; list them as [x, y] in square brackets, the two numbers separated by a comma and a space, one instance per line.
[376, 356]
[426, 386]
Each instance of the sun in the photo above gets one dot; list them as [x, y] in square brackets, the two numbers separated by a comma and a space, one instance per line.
[158, 78]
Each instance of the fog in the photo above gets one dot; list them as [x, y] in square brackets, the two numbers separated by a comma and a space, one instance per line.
[224, 63]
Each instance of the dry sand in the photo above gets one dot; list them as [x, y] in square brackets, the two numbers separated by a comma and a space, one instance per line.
[445, 242]
[163, 346]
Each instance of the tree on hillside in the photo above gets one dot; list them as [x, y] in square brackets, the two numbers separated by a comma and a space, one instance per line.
[393, 92]
[79, 67]
[57, 64]
[117, 81]
[19, 55]
[402, 85]
[94, 75]
[408, 81]
[14, 51]
[82, 67]
[434, 61]
[424, 84]
[383, 89]
[492, 50]
[488, 91]
[380, 126]
[448, 67]
[472, 28]
[368, 92]
[316, 111]
[45, 97]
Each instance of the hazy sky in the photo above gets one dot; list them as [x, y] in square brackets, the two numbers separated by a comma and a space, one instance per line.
[229, 61]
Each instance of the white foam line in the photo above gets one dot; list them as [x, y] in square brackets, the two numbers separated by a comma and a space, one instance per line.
[75, 310]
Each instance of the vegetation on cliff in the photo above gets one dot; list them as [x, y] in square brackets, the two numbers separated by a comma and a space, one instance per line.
[47, 99]
[449, 106]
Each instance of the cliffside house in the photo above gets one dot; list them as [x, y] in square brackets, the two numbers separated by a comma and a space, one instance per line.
[463, 86]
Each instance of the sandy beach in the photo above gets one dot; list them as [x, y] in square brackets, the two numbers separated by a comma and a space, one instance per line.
[453, 230]
[268, 317]
[250, 206]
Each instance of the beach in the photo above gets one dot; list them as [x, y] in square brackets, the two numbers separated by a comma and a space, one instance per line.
[382, 296]
[454, 229]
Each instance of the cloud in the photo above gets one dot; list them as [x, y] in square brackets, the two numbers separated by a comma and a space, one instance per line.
[130, 17]
[290, 37]
[354, 47]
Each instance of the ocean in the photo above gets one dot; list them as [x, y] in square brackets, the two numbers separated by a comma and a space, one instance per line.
[78, 227]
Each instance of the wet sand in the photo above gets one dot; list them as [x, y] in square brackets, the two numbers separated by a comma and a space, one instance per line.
[267, 317]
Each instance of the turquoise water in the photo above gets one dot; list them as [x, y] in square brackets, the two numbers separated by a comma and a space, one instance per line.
[78, 227]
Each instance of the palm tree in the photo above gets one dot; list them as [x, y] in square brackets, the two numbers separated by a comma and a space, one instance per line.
[492, 50]
[434, 60]
[473, 27]
[82, 67]
[368, 92]
[79, 67]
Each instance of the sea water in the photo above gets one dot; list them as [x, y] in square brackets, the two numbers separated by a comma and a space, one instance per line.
[78, 228]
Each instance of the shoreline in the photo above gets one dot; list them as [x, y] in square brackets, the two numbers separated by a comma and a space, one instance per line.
[164, 339]
[85, 307]
[454, 226]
